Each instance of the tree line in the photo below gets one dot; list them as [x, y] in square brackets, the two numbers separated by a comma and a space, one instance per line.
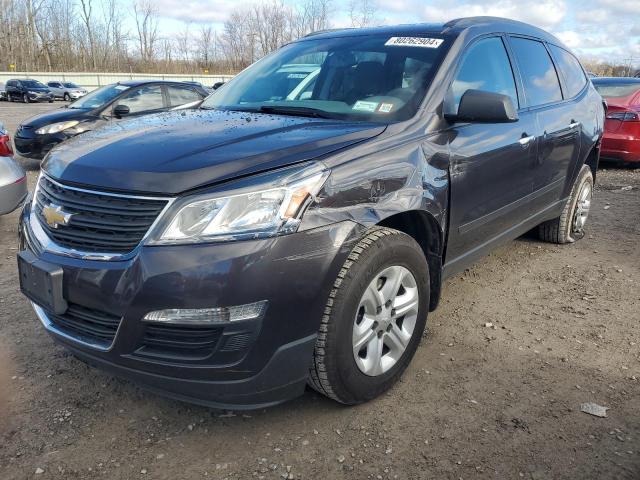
[125, 36]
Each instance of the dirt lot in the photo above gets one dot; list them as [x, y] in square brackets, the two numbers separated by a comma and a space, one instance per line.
[477, 402]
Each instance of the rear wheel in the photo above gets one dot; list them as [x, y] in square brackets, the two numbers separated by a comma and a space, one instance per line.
[374, 318]
[569, 226]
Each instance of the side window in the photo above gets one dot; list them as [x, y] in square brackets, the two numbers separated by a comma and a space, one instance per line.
[181, 95]
[574, 76]
[485, 67]
[539, 76]
[143, 99]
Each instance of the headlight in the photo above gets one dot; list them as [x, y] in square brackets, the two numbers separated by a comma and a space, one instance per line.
[249, 214]
[57, 127]
[32, 92]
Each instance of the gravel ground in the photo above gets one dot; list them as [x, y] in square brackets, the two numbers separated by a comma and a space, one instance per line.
[477, 402]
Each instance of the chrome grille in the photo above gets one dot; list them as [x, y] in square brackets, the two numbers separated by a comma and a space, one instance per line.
[99, 222]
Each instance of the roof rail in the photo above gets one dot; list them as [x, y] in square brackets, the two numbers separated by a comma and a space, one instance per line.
[327, 30]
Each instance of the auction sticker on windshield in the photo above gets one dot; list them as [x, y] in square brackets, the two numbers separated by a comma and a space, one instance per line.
[365, 106]
[414, 42]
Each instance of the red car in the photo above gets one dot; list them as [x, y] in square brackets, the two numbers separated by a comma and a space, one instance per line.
[621, 139]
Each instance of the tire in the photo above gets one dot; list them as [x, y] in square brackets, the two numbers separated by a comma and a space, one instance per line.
[335, 371]
[66, 97]
[25, 98]
[569, 226]
[9, 98]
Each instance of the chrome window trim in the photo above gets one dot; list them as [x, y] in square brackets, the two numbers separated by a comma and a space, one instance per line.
[48, 245]
[50, 327]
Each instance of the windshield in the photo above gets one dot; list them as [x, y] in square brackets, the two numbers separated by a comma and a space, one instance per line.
[368, 78]
[70, 85]
[613, 90]
[32, 84]
[99, 97]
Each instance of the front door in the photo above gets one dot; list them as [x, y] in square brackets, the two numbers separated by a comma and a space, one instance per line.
[491, 163]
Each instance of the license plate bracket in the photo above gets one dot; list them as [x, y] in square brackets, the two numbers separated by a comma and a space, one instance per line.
[41, 282]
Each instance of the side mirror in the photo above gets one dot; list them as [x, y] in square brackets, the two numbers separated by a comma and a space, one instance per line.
[120, 111]
[484, 107]
[217, 85]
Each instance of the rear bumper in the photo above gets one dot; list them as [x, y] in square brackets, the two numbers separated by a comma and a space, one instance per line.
[620, 147]
[252, 363]
[12, 196]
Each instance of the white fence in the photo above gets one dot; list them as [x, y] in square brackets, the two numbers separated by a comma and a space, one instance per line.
[91, 81]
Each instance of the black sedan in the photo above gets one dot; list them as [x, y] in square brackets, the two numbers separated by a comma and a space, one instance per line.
[111, 103]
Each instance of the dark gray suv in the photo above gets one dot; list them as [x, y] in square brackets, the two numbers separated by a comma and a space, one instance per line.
[297, 228]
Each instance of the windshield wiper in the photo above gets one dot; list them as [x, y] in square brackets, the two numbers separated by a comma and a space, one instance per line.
[296, 111]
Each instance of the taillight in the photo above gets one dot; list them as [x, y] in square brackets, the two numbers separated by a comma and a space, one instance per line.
[624, 116]
[5, 146]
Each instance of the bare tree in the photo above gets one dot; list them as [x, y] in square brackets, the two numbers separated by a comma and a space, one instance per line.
[206, 43]
[362, 13]
[146, 18]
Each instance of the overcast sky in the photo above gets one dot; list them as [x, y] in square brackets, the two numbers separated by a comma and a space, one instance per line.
[602, 29]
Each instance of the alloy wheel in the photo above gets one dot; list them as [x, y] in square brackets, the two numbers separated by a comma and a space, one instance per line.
[583, 205]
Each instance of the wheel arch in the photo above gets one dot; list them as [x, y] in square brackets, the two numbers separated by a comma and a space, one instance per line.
[426, 230]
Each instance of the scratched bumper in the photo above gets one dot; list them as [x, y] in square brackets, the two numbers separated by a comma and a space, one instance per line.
[293, 273]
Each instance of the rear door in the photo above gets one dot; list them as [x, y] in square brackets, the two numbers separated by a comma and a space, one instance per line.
[558, 116]
[491, 163]
[179, 95]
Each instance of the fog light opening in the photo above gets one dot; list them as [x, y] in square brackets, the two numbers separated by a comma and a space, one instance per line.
[208, 316]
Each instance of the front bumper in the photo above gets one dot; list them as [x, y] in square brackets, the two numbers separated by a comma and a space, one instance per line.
[31, 145]
[254, 363]
[40, 97]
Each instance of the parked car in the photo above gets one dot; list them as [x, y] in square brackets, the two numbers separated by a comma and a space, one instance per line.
[66, 90]
[3, 92]
[231, 254]
[28, 91]
[198, 84]
[38, 135]
[621, 140]
[13, 179]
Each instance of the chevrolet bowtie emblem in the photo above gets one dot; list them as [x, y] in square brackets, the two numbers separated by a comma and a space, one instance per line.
[55, 216]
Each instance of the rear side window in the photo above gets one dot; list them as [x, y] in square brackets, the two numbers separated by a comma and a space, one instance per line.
[574, 76]
[181, 95]
[539, 76]
[617, 90]
[485, 67]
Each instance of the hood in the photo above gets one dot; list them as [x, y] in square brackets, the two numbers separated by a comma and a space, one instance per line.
[60, 115]
[174, 152]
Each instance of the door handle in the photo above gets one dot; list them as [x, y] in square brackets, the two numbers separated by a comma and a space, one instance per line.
[526, 140]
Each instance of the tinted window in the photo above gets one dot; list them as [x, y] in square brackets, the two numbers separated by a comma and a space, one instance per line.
[612, 90]
[485, 67]
[572, 72]
[182, 95]
[143, 99]
[540, 79]
[71, 85]
[33, 84]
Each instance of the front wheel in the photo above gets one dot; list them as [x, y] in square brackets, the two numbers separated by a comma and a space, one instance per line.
[569, 226]
[374, 318]
[25, 98]
[67, 97]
